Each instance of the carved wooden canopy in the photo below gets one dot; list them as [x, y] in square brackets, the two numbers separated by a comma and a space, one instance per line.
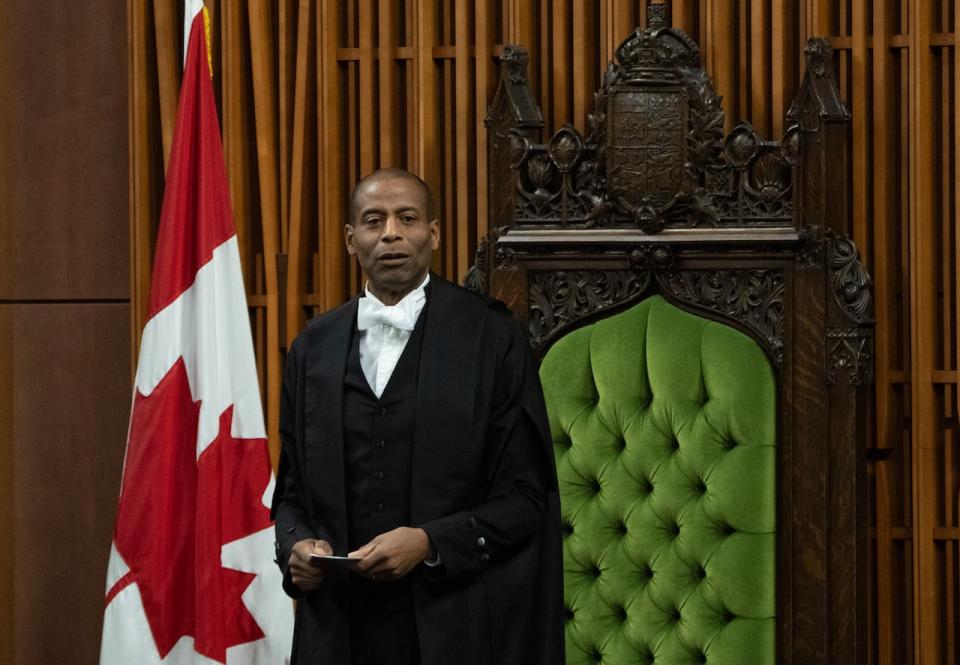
[656, 198]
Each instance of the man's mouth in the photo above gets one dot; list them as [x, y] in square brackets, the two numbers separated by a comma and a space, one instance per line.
[392, 258]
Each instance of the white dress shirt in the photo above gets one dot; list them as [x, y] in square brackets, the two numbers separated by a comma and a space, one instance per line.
[385, 331]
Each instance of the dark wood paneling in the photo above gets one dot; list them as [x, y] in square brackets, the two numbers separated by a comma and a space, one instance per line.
[6, 491]
[63, 117]
[71, 380]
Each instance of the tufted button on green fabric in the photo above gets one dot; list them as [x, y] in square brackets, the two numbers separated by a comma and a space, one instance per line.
[664, 432]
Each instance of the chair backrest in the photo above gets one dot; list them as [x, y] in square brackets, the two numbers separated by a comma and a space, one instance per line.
[664, 427]
[656, 210]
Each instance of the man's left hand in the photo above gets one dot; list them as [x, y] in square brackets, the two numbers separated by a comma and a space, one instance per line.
[393, 554]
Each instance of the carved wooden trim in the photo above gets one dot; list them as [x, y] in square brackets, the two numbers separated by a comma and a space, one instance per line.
[851, 280]
[850, 355]
[558, 298]
[476, 277]
[754, 297]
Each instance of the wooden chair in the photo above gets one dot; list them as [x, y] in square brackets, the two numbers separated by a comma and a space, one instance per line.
[705, 332]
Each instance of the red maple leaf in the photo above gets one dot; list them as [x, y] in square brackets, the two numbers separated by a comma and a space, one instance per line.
[176, 512]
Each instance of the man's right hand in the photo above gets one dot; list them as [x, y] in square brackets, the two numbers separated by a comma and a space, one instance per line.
[304, 574]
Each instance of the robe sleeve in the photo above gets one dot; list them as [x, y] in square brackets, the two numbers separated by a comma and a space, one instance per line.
[513, 505]
[292, 523]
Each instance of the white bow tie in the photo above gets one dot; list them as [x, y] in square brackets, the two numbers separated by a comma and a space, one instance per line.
[372, 312]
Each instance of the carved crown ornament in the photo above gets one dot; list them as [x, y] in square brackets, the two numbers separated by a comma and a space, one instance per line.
[655, 155]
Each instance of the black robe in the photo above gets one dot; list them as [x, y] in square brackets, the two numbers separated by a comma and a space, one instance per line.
[481, 442]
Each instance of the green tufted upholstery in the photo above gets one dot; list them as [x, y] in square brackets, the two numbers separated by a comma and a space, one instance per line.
[664, 430]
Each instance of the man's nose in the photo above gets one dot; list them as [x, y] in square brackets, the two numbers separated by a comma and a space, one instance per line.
[391, 228]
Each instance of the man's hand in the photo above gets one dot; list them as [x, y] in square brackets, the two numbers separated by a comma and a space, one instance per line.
[304, 574]
[393, 554]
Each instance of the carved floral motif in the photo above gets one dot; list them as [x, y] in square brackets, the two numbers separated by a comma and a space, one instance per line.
[754, 297]
[560, 297]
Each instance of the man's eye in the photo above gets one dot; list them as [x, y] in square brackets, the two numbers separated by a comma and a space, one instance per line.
[371, 221]
[408, 219]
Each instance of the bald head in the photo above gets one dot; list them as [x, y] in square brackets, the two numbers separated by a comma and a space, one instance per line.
[418, 187]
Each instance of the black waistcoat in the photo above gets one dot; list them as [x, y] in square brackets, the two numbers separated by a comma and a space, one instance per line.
[378, 442]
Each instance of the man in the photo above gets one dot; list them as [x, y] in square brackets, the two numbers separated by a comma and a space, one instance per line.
[415, 441]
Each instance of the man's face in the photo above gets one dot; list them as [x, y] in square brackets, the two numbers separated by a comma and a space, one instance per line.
[391, 236]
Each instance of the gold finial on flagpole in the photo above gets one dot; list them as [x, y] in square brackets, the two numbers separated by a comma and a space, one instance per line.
[206, 35]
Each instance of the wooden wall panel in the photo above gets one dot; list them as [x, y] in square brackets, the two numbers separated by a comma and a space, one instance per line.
[65, 326]
[69, 417]
[6, 489]
[62, 116]
[317, 93]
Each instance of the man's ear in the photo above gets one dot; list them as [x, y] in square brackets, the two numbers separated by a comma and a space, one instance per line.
[435, 234]
[348, 239]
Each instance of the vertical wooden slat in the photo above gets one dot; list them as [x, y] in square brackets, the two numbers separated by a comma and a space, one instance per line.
[759, 90]
[448, 144]
[237, 149]
[297, 252]
[783, 83]
[544, 57]
[616, 21]
[368, 111]
[483, 41]
[288, 20]
[145, 182]
[523, 27]
[264, 93]
[464, 130]
[560, 64]
[923, 299]
[955, 128]
[887, 434]
[742, 110]
[426, 161]
[583, 67]
[723, 58]
[389, 127]
[331, 197]
[683, 12]
[168, 37]
[861, 120]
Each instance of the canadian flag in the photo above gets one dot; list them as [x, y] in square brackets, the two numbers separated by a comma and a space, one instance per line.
[190, 578]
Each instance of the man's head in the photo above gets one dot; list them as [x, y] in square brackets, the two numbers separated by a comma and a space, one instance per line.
[392, 231]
